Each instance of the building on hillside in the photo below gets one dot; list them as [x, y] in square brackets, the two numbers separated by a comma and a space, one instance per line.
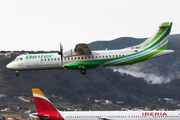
[103, 101]
[27, 111]
[9, 118]
[168, 99]
[124, 109]
[2, 95]
[16, 108]
[120, 102]
[6, 109]
[21, 98]
[8, 54]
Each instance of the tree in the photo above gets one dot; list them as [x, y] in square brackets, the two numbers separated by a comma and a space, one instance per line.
[3, 118]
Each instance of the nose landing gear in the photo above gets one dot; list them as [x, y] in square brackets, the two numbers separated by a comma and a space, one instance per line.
[17, 73]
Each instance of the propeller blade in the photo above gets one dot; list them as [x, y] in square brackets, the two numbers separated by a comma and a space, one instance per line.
[61, 52]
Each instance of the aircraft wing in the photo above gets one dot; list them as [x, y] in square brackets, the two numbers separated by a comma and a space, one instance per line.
[82, 48]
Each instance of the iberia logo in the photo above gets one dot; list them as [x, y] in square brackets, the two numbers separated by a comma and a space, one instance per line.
[154, 114]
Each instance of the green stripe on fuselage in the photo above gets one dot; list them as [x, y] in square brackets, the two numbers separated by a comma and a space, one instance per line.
[144, 57]
[95, 63]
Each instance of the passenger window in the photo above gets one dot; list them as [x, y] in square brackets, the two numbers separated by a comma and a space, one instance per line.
[112, 55]
[68, 58]
[85, 57]
[92, 56]
[99, 56]
[21, 59]
[74, 57]
[51, 59]
[58, 58]
[89, 57]
[41, 59]
[48, 59]
[78, 57]
[123, 55]
[116, 55]
[55, 59]
[106, 56]
[96, 56]
[103, 56]
[119, 55]
[109, 55]
[44, 59]
[82, 57]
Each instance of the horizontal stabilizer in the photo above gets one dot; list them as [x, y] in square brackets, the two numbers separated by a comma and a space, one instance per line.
[164, 26]
[36, 116]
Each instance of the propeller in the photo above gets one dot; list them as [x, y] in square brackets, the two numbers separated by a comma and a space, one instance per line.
[61, 52]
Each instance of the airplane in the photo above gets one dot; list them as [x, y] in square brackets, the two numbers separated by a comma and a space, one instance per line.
[46, 111]
[82, 58]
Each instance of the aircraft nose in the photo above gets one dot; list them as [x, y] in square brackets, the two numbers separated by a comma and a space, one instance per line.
[9, 66]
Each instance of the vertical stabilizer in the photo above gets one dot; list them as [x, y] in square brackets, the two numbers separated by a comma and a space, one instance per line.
[160, 39]
[45, 109]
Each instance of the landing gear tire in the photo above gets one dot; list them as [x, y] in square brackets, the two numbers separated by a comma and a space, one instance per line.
[83, 71]
[17, 74]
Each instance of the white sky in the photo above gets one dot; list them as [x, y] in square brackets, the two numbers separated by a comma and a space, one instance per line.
[42, 24]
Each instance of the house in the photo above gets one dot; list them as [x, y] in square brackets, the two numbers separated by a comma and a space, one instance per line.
[27, 111]
[2, 95]
[6, 109]
[21, 98]
[124, 109]
[103, 101]
[168, 99]
[8, 54]
[120, 102]
[9, 118]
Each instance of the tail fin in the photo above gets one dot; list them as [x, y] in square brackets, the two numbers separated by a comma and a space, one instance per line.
[45, 109]
[160, 39]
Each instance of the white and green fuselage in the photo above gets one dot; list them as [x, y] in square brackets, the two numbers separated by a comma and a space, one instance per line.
[154, 46]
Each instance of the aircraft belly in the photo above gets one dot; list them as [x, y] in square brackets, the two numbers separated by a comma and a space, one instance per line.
[87, 64]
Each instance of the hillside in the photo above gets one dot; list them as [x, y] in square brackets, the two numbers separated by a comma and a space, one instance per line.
[101, 83]
[163, 68]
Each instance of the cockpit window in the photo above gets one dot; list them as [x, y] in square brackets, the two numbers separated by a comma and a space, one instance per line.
[18, 58]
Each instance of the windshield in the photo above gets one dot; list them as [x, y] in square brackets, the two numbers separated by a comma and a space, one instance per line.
[18, 58]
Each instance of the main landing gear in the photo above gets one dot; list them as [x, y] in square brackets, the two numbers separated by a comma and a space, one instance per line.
[83, 71]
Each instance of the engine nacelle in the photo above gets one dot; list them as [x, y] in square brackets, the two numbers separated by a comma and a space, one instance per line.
[69, 53]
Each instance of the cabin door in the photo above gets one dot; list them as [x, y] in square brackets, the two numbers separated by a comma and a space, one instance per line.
[129, 54]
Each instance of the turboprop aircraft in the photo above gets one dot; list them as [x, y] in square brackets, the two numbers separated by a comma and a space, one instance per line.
[46, 111]
[82, 58]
